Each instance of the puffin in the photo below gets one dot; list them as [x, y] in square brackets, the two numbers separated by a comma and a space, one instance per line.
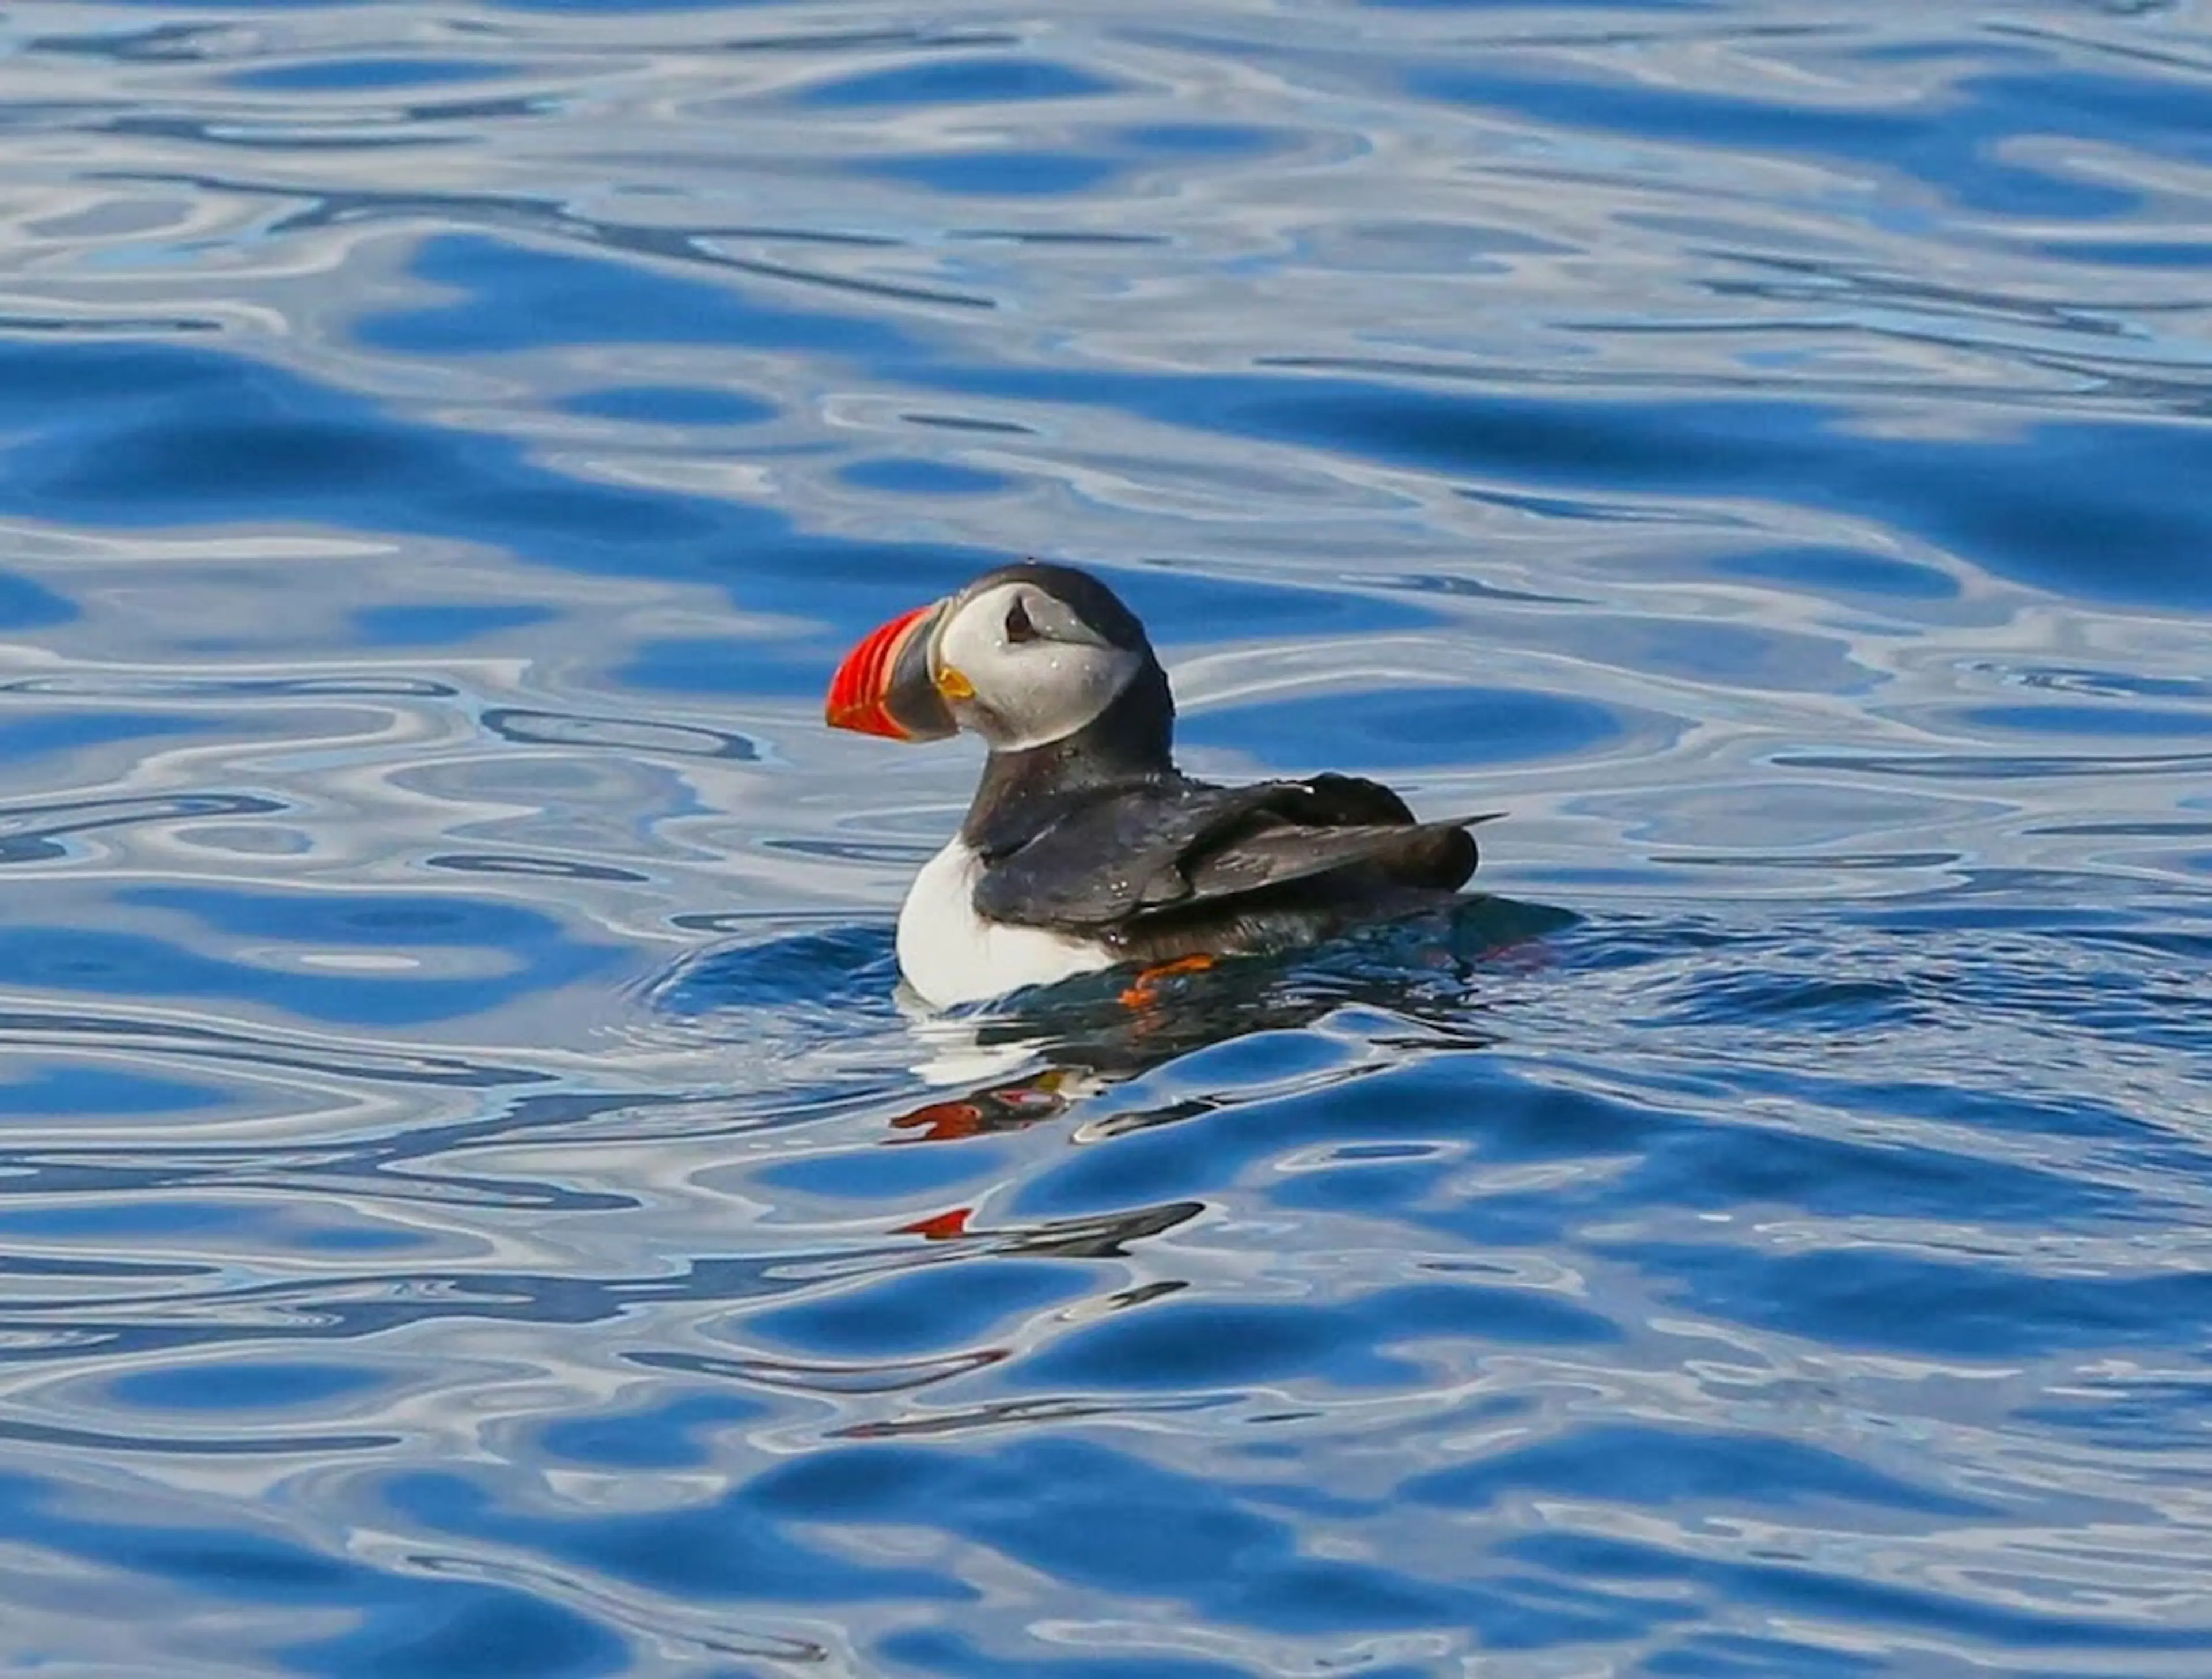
[1084, 847]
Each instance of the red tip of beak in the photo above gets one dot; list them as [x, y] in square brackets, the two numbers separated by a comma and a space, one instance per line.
[858, 691]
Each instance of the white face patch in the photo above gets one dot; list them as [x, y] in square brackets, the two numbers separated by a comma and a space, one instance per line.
[1038, 671]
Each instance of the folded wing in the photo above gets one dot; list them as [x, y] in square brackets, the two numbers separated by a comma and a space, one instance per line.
[1166, 849]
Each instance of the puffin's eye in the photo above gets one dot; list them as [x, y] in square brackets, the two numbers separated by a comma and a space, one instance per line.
[1019, 626]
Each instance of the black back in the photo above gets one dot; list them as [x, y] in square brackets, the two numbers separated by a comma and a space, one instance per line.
[1099, 835]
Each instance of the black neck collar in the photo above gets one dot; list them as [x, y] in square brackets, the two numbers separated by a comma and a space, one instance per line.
[1132, 740]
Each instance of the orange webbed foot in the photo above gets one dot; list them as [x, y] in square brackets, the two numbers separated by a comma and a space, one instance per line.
[1143, 990]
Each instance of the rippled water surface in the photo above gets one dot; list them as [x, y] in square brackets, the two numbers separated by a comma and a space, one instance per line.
[471, 1204]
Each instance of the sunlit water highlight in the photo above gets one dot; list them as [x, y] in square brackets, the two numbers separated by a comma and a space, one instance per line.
[471, 1199]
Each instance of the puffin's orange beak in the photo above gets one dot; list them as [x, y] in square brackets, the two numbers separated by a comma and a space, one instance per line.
[885, 686]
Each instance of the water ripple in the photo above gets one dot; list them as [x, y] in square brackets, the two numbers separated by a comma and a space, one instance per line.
[472, 1198]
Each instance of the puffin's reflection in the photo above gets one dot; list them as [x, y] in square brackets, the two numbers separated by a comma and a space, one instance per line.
[1038, 1056]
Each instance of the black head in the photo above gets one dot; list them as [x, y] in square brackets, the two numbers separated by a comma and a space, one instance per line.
[1027, 655]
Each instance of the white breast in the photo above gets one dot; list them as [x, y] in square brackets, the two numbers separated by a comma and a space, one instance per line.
[951, 954]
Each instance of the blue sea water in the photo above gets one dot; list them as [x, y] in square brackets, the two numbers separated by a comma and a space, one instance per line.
[470, 1201]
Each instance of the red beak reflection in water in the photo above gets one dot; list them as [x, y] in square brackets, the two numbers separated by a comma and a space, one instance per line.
[884, 686]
